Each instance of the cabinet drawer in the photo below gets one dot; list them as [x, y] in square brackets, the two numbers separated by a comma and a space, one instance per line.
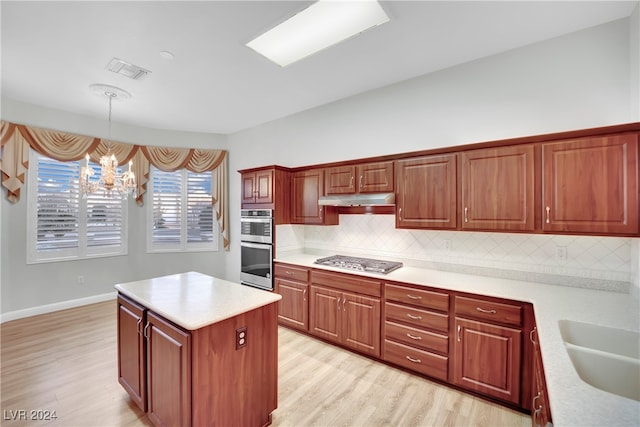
[417, 317]
[347, 282]
[509, 314]
[417, 337]
[417, 360]
[292, 273]
[423, 298]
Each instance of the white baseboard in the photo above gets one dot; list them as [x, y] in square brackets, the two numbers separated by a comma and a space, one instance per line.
[63, 305]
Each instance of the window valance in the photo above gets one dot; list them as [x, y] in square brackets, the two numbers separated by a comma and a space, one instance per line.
[17, 139]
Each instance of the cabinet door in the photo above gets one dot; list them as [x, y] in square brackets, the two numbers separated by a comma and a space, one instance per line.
[487, 359]
[169, 372]
[340, 180]
[325, 313]
[306, 189]
[540, 412]
[426, 191]
[248, 187]
[131, 351]
[375, 177]
[264, 186]
[590, 185]
[498, 188]
[257, 187]
[361, 324]
[293, 308]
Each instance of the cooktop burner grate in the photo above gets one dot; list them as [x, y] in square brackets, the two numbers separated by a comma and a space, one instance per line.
[359, 264]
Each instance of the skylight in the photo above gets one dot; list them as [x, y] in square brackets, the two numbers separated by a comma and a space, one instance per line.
[321, 25]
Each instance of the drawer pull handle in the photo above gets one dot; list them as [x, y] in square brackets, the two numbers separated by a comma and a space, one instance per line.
[290, 272]
[413, 296]
[482, 310]
[411, 359]
[548, 211]
[411, 316]
[413, 337]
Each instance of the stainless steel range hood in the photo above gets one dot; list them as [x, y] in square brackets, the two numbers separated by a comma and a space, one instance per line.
[376, 199]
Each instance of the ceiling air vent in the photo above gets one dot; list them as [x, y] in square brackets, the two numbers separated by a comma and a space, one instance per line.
[126, 69]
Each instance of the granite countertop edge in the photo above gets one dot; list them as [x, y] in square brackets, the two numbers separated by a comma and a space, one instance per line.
[193, 300]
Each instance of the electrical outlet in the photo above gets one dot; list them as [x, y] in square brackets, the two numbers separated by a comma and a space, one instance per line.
[561, 253]
[80, 280]
[241, 337]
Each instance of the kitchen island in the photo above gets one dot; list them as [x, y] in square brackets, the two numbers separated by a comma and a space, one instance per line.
[197, 350]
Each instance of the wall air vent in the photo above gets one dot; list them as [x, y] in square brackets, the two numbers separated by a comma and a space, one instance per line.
[126, 69]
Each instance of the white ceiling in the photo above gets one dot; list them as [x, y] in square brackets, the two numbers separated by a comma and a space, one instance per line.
[52, 51]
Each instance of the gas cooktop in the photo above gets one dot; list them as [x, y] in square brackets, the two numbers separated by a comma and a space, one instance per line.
[359, 264]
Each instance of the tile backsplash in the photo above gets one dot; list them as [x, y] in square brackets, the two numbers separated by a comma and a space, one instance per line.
[582, 261]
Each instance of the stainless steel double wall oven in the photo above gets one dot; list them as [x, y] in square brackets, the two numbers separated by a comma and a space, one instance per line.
[256, 244]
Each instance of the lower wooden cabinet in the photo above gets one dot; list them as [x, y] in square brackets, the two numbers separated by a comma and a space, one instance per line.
[486, 359]
[345, 309]
[132, 354]
[291, 282]
[540, 410]
[347, 319]
[169, 372]
[416, 330]
[200, 377]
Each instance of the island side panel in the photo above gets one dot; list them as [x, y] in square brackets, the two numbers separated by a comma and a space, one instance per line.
[236, 386]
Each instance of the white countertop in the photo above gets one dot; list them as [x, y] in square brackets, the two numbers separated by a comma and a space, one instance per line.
[573, 402]
[194, 300]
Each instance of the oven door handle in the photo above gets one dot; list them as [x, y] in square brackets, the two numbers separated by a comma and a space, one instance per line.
[251, 219]
[255, 245]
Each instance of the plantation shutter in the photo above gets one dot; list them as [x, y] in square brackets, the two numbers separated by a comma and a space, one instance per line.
[199, 208]
[58, 206]
[167, 213]
[105, 219]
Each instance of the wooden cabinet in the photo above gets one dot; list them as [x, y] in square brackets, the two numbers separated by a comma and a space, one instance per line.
[132, 354]
[362, 178]
[497, 188]
[346, 310]
[487, 351]
[590, 185]
[292, 283]
[169, 372]
[199, 377]
[267, 188]
[540, 410]
[306, 188]
[426, 192]
[416, 329]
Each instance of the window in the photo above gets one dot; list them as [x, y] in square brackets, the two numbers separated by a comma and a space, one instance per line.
[64, 225]
[181, 217]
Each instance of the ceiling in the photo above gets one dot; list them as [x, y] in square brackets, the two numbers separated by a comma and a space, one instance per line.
[52, 51]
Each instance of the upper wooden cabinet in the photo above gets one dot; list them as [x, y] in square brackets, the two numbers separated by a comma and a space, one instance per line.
[426, 192]
[362, 178]
[267, 188]
[590, 185]
[498, 188]
[306, 188]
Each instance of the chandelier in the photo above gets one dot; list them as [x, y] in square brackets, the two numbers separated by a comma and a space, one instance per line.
[111, 181]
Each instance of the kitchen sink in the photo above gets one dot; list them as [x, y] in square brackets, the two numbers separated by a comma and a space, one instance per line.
[606, 358]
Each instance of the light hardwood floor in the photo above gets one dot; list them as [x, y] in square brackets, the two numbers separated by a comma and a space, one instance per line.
[66, 362]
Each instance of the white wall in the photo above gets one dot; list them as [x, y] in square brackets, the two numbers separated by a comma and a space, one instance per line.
[576, 81]
[580, 80]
